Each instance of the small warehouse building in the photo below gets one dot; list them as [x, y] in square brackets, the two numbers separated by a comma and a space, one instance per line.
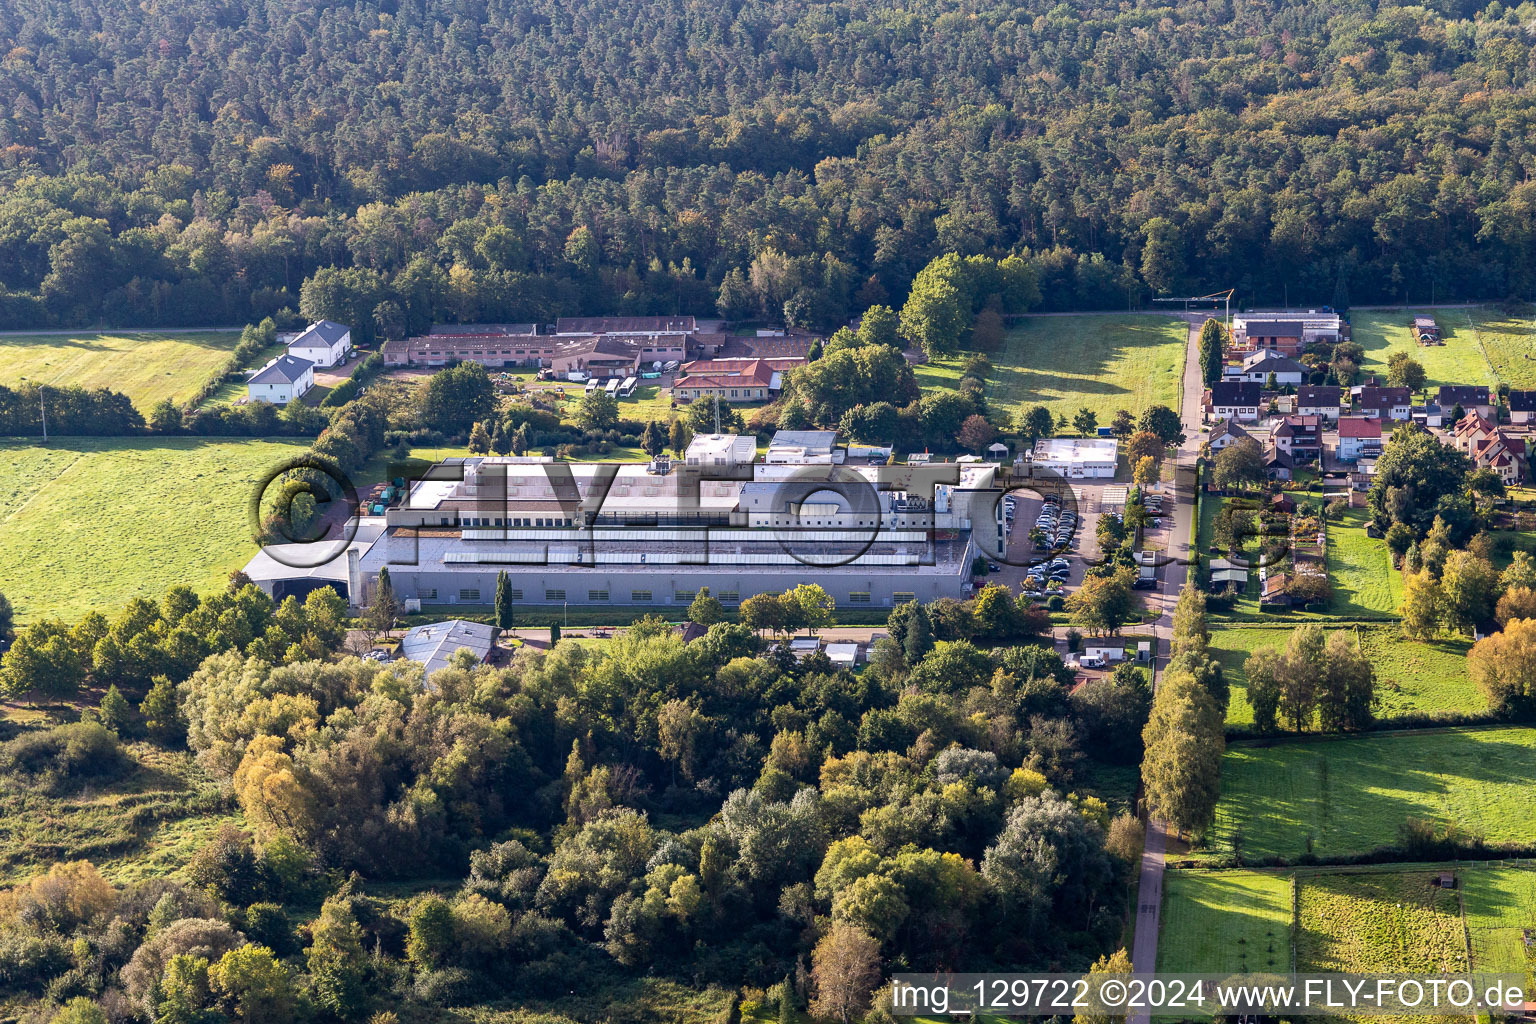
[1078, 458]
[434, 644]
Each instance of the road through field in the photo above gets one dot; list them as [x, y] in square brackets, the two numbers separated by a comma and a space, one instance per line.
[1149, 899]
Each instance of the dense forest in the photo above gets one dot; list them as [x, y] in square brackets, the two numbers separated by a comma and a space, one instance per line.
[395, 163]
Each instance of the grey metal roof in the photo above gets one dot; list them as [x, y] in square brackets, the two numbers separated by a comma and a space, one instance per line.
[285, 369]
[821, 440]
[327, 332]
[435, 643]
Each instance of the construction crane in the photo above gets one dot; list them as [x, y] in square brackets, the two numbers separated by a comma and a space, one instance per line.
[1223, 297]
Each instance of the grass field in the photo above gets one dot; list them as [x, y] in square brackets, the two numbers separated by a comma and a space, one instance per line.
[1509, 342]
[1412, 677]
[1364, 582]
[87, 523]
[1102, 362]
[144, 365]
[1372, 919]
[1338, 797]
[1225, 921]
[1382, 923]
[148, 823]
[1459, 361]
[1500, 903]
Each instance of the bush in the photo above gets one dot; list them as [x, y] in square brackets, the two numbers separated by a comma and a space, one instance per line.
[80, 750]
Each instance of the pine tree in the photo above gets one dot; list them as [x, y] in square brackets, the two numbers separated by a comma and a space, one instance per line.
[504, 605]
[479, 439]
[1212, 340]
[386, 607]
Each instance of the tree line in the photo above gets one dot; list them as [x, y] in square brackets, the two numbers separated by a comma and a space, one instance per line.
[792, 161]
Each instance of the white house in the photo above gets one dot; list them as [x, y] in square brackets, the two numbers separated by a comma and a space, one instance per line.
[1257, 367]
[1227, 433]
[1522, 406]
[324, 343]
[1078, 457]
[1359, 436]
[282, 380]
[1318, 401]
[1234, 400]
[1386, 403]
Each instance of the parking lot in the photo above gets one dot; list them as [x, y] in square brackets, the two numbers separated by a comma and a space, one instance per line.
[1087, 501]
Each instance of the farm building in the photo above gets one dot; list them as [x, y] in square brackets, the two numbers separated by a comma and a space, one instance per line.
[1426, 331]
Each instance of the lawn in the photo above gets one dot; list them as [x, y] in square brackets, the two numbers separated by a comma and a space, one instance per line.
[1509, 343]
[1364, 582]
[1341, 797]
[1412, 676]
[88, 523]
[1500, 903]
[1102, 362]
[1459, 361]
[144, 365]
[1392, 922]
[1225, 921]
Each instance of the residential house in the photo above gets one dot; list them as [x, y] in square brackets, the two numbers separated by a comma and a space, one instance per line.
[1300, 437]
[281, 381]
[1501, 453]
[324, 343]
[1470, 397]
[1278, 465]
[1227, 433]
[1430, 414]
[1522, 407]
[1258, 366]
[1234, 400]
[1320, 401]
[731, 380]
[1386, 403]
[1359, 436]
[1471, 429]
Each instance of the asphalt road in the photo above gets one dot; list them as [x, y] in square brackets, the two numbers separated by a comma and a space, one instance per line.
[1149, 900]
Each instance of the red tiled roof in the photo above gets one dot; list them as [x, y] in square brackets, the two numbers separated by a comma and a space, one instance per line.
[1359, 426]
